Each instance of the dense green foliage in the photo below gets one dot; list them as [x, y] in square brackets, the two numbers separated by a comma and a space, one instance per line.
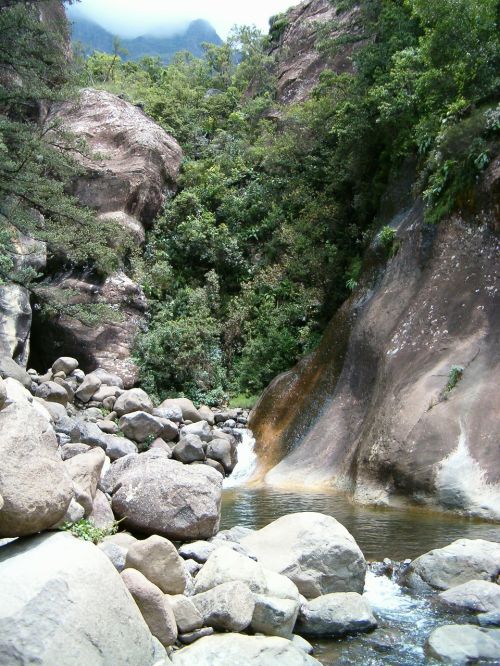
[265, 238]
[87, 531]
[37, 157]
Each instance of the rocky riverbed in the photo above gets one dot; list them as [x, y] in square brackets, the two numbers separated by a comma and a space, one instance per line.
[82, 456]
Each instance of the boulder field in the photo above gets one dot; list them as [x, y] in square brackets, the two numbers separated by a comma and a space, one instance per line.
[174, 588]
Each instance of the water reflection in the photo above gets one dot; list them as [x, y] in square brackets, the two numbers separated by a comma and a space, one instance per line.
[380, 532]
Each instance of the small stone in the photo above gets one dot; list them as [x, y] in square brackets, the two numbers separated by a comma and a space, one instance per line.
[192, 636]
[187, 616]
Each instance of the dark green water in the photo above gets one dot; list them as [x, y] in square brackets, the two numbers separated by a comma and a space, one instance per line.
[405, 619]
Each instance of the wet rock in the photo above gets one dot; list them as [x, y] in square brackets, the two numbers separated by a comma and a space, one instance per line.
[154, 607]
[336, 614]
[315, 551]
[464, 643]
[35, 486]
[244, 651]
[226, 607]
[134, 400]
[478, 596]
[158, 560]
[459, 562]
[156, 495]
[60, 597]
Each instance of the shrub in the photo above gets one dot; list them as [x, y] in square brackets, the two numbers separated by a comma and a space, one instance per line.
[87, 531]
[454, 376]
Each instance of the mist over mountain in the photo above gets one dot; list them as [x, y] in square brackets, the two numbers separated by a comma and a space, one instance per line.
[93, 37]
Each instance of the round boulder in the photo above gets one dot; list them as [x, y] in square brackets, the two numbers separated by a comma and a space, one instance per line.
[315, 551]
[157, 495]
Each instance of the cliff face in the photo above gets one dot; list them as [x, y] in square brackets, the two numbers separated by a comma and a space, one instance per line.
[372, 410]
[299, 58]
[132, 168]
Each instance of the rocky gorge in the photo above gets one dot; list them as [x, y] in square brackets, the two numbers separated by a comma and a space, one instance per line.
[120, 542]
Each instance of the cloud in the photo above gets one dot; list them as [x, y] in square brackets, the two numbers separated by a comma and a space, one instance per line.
[131, 18]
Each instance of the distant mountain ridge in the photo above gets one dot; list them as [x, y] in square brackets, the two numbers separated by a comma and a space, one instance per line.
[95, 38]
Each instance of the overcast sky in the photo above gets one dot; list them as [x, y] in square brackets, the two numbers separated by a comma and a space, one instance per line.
[130, 18]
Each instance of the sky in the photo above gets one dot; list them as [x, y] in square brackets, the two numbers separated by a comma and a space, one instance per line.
[131, 18]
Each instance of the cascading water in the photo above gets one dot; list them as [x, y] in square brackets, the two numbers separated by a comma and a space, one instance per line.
[247, 461]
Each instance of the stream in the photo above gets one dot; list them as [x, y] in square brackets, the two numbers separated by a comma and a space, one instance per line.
[405, 619]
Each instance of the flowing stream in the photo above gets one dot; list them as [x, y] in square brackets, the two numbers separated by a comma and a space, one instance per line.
[405, 619]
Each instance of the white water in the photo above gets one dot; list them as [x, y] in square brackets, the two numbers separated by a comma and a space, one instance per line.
[247, 462]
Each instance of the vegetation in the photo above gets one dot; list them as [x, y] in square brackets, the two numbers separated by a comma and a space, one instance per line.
[87, 531]
[37, 156]
[276, 206]
[265, 238]
[454, 376]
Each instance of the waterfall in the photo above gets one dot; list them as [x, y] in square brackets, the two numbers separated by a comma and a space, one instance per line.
[247, 461]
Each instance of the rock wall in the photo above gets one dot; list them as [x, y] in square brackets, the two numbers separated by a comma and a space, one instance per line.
[369, 411]
[132, 167]
[299, 59]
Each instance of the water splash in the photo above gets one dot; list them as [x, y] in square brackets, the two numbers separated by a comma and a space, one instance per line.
[247, 462]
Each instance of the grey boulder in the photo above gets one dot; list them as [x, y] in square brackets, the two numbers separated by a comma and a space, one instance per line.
[201, 429]
[153, 605]
[85, 472]
[134, 400]
[34, 482]
[189, 449]
[157, 558]
[478, 596]
[315, 551]
[336, 614]
[157, 495]
[226, 607]
[464, 644]
[187, 616]
[61, 598]
[52, 392]
[241, 650]
[65, 364]
[189, 411]
[88, 388]
[139, 426]
[459, 562]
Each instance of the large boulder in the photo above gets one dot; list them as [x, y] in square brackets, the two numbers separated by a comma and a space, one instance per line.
[156, 495]
[226, 565]
[189, 411]
[134, 400]
[88, 388]
[34, 482]
[139, 426]
[459, 562]
[243, 651]
[61, 599]
[131, 169]
[336, 614]
[315, 551]
[52, 392]
[226, 607]
[85, 472]
[464, 644]
[153, 605]
[157, 558]
[65, 364]
[189, 449]
[478, 596]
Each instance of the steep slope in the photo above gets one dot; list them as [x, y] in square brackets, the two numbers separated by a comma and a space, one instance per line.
[95, 38]
[297, 46]
[377, 410]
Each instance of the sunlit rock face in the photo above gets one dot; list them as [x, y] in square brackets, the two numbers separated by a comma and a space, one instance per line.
[299, 60]
[131, 170]
[372, 410]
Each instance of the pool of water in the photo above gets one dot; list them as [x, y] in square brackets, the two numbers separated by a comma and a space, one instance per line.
[405, 618]
[380, 532]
